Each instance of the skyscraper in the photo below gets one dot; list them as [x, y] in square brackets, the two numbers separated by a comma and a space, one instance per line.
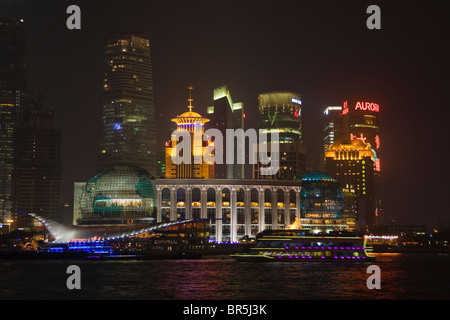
[226, 114]
[37, 171]
[331, 131]
[128, 128]
[359, 121]
[282, 111]
[13, 87]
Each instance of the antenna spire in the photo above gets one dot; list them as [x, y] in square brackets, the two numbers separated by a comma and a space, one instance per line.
[190, 98]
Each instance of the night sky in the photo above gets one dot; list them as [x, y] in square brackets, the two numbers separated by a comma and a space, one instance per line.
[320, 49]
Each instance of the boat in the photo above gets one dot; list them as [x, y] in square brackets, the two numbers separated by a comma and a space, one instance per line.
[301, 245]
[77, 249]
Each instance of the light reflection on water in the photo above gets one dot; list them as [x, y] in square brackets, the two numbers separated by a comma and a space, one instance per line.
[403, 276]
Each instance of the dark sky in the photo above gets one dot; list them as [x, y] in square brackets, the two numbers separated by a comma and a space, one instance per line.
[321, 49]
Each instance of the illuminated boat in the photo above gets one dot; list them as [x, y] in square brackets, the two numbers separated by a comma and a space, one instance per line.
[302, 245]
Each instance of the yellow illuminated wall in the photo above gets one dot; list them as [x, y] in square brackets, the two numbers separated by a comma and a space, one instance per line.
[193, 123]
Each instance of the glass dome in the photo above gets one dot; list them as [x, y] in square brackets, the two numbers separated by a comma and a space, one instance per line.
[320, 197]
[119, 194]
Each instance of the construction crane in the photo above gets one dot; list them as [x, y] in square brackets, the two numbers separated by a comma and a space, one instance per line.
[40, 100]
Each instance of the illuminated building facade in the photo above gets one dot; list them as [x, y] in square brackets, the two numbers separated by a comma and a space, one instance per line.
[360, 121]
[192, 164]
[128, 128]
[236, 207]
[124, 195]
[358, 124]
[353, 166]
[13, 87]
[282, 111]
[322, 204]
[226, 114]
[331, 127]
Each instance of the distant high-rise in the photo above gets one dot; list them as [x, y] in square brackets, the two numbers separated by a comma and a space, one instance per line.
[37, 171]
[128, 129]
[282, 111]
[226, 114]
[13, 87]
[331, 127]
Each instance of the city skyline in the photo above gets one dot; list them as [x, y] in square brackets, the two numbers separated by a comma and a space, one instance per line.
[336, 56]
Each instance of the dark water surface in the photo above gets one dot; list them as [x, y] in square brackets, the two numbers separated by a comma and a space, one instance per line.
[403, 276]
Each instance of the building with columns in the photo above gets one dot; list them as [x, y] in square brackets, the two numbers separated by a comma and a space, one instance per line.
[236, 207]
[124, 196]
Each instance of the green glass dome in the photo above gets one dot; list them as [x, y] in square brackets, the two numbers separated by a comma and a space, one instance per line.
[315, 176]
[119, 194]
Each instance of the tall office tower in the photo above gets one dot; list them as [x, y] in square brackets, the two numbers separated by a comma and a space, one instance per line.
[13, 87]
[353, 166]
[283, 111]
[128, 130]
[331, 126]
[360, 121]
[191, 161]
[225, 114]
[37, 172]
[331, 131]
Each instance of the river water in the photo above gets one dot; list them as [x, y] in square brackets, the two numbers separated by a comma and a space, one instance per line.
[403, 276]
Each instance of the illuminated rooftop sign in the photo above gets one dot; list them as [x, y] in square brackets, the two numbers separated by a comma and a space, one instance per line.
[367, 106]
[345, 108]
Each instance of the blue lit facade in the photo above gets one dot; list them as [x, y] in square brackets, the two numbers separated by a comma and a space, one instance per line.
[321, 203]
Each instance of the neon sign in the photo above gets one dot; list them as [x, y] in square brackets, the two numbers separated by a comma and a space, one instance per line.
[377, 142]
[361, 137]
[367, 106]
[345, 108]
[377, 165]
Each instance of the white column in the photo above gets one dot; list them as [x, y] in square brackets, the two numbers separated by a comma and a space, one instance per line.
[261, 208]
[218, 214]
[274, 208]
[173, 203]
[287, 207]
[248, 219]
[233, 226]
[188, 201]
[158, 203]
[203, 199]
